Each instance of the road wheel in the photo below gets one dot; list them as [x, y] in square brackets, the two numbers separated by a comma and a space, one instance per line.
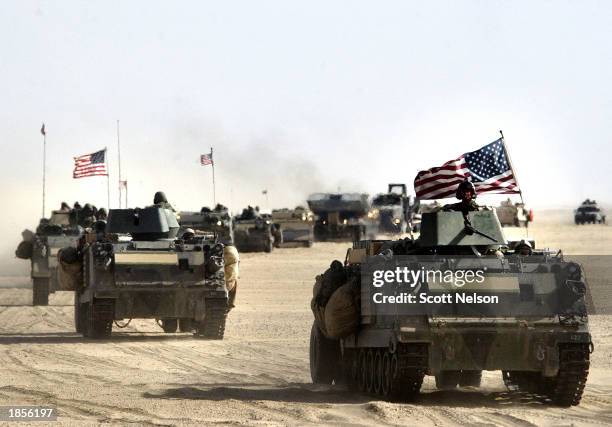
[470, 378]
[378, 372]
[169, 325]
[185, 325]
[40, 291]
[370, 374]
[324, 357]
[386, 375]
[447, 380]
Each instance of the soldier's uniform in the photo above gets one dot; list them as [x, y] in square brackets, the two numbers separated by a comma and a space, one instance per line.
[466, 193]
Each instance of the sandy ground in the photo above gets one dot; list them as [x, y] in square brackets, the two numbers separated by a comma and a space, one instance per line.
[259, 374]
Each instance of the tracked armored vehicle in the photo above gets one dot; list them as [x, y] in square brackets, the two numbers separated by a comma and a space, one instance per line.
[536, 333]
[42, 247]
[253, 232]
[339, 217]
[217, 221]
[295, 225]
[136, 268]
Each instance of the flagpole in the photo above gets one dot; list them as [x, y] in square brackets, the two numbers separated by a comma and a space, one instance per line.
[213, 177]
[44, 132]
[107, 178]
[119, 163]
[503, 140]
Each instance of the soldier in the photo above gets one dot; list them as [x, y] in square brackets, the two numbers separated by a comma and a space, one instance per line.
[65, 207]
[161, 201]
[102, 215]
[523, 248]
[86, 216]
[466, 193]
[188, 234]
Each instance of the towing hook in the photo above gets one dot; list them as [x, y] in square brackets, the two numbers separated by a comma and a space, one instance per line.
[591, 347]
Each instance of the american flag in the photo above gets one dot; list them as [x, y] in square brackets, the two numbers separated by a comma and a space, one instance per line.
[206, 159]
[488, 168]
[93, 164]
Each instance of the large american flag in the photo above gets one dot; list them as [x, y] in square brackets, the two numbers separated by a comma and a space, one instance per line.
[93, 164]
[206, 159]
[488, 168]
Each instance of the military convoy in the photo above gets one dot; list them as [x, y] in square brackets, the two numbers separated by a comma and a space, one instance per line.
[217, 221]
[537, 334]
[339, 216]
[61, 230]
[135, 267]
[514, 214]
[589, 213]
[295, 225]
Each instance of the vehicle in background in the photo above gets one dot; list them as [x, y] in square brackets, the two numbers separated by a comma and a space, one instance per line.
[390, 212]
[217, 221]
[514, 214]
[339, 216]
[41, 248]
[254, 232]
[296, 225]
[589, 213]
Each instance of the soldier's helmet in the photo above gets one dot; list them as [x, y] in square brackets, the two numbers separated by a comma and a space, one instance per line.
[523, 247]
[102, 214]
[466, 187]
[188, 234]
[159, 197]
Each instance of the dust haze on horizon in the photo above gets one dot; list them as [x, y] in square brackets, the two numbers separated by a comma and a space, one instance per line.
[298, 98]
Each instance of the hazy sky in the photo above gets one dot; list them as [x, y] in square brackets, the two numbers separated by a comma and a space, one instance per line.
[300, 96]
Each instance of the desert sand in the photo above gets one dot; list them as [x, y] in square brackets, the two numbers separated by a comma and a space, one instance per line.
[258, 375]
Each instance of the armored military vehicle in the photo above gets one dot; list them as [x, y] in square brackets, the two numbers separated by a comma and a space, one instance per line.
[253, 232]
[296, 225]
[589, 213]
[390, 212]
[217, 221]
[136, 268]
[339, 216]
[515, 214]
[536, 332]
[41, 248]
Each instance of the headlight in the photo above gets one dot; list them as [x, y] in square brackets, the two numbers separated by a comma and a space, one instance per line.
[396, 221]
[345, 221]
[219, 223]
[373, 214]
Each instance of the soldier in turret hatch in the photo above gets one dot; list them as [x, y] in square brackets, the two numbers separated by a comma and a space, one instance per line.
[466, 193]
[161, 201]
